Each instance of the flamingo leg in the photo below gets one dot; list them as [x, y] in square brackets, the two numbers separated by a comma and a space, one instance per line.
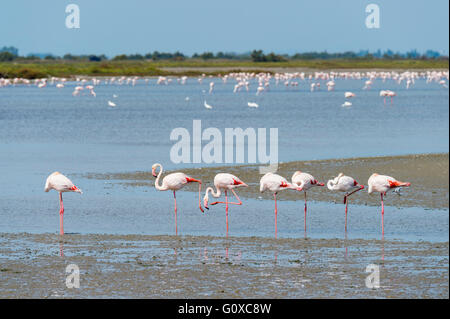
[61, 215]
[176, 226]
[346, 203]
[305, 211]
[346, 208]
[275, 197]
[226, 209]
[382, 214]
[230, 203]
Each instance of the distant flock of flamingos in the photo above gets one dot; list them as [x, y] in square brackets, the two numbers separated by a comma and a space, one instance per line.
[225, 182]
[242, 80]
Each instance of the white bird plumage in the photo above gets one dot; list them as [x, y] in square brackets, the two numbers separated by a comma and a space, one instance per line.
[207, 105]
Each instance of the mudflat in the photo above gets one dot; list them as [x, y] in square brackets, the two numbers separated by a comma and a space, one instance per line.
[144, 266]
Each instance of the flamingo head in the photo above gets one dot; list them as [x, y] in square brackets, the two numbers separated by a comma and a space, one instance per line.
[295, 187]
[355, 184]
[205, 201]
[316, 183]
[154, 170]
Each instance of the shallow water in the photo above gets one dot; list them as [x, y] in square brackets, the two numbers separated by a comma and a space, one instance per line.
[119, 209]
[43, 130]
[49, 128]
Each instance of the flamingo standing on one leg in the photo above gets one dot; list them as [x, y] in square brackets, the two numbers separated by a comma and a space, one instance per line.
[382, 184]
[226, 182]
[174, 182]
[305, 181]
[275, 183]
[347, 184]
[61, 184]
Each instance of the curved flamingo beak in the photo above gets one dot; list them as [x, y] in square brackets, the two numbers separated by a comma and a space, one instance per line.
[154, 172]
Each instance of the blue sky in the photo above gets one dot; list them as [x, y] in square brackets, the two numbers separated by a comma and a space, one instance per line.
[282, 26]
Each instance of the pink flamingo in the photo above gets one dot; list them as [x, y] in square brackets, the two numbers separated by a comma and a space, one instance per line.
[382, 184]
[387, 93]
[226, 182]
[305, 181]
[61, 184]
[343, 183]
[174, 182]
[275, 183]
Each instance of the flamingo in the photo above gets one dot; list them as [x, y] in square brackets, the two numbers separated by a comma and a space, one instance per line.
[349, 95]
[112, 104]
[275, 183]
[174, 182]
[382, 184]
[343, 183]
[367, 85]
[252, 104]
[385, 93]
[61, 184]
[305, 181]
[226, 182]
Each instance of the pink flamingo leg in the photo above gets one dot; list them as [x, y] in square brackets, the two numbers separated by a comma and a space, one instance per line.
[230, 203]
[61, 215]
[382, 215]
[346, 203]
[176, 226]
[305, 211]
[346, 208]
[226, 209]
[275, 197]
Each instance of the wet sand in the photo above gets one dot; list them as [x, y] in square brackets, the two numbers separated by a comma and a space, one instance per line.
[428, 174]
[139, 266]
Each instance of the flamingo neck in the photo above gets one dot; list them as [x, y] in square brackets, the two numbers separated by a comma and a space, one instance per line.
[157, 186]
[330, 184]
[216, 194]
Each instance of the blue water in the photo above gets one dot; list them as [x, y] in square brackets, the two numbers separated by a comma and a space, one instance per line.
[44, 130]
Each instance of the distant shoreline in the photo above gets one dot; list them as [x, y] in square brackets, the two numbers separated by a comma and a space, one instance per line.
[70, 69]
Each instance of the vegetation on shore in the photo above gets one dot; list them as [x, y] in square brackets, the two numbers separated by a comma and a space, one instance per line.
[165, 63]
[194, 67]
